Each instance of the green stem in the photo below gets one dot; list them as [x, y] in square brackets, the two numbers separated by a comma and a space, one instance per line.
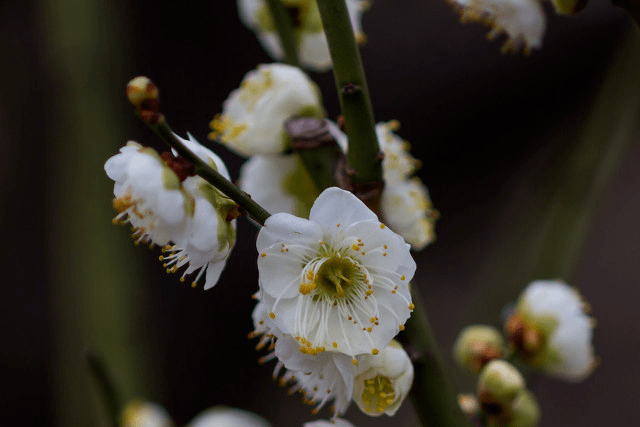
[363, 156]
[284, 27]
[434, 397]
[211, 175]
[110, 395]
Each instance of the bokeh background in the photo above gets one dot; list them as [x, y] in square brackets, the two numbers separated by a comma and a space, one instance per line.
[496, 135]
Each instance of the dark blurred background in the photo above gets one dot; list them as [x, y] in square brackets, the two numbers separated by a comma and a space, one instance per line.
[491, 130]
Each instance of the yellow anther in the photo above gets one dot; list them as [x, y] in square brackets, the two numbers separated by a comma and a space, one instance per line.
[369, 329]
[375, 351]
[263, 254]
[373, 319]
[401, 327]
[403, 277]
[335, 344]
[307, 287]
[194, 284]
[354, 361]
[272, 315]
[412, 306]
[355, 247]
[382, 226]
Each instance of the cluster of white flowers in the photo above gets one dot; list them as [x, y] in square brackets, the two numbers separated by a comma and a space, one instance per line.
[523, 21]
[550, 330]
[334, 291]
[168, 207]
[313, 49]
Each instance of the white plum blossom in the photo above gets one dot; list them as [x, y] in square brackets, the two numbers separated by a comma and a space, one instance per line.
[313, 49]
[322, 378]
[148, 195]
[408, 210]
[335, 422]
[523, 21]
[138, 413]
[383, 381]
[253, 116]
[550, 330]
[279, 183]
[184, 214]
[337, 282]
[209, 239]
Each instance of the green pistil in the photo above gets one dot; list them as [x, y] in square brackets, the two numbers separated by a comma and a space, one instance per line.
[336, 277]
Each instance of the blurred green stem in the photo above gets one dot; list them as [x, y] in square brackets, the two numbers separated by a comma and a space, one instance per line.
[97, 286]
[363, 158]
[284, 27]
[112, 399]
[595, 159]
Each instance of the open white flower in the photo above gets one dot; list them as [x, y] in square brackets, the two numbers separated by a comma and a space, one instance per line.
[523, 21]
[313, 49]
[209, 237]
[550, 330]
[148, 195]
[253, 116]
[383, 381]
[279, 183]
[184, 214]
[322, 378]
[408, 210]
[338, 281]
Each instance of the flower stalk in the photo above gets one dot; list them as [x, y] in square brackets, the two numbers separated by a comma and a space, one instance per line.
[202, 169]
[284, 27]
[433, 395]
[364, 160]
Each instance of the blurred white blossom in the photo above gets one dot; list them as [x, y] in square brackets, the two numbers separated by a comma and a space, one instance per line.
[313, 50]
[279, 183]
[138, 413]
[253, 116]
[550, 330]
[522, 21]
[338, 281]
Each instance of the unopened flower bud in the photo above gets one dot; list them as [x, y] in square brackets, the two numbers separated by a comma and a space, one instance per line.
[525, 411]
[383, 381]
[138, 413]
[468, 404]
[477, 345]
[143, 93]
[568, 7]
[498, 385]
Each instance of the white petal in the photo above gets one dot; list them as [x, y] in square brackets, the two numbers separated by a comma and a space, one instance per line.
[336, 208]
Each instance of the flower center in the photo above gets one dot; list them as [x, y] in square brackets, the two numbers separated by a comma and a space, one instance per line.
[336, 276]
[378, 394]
